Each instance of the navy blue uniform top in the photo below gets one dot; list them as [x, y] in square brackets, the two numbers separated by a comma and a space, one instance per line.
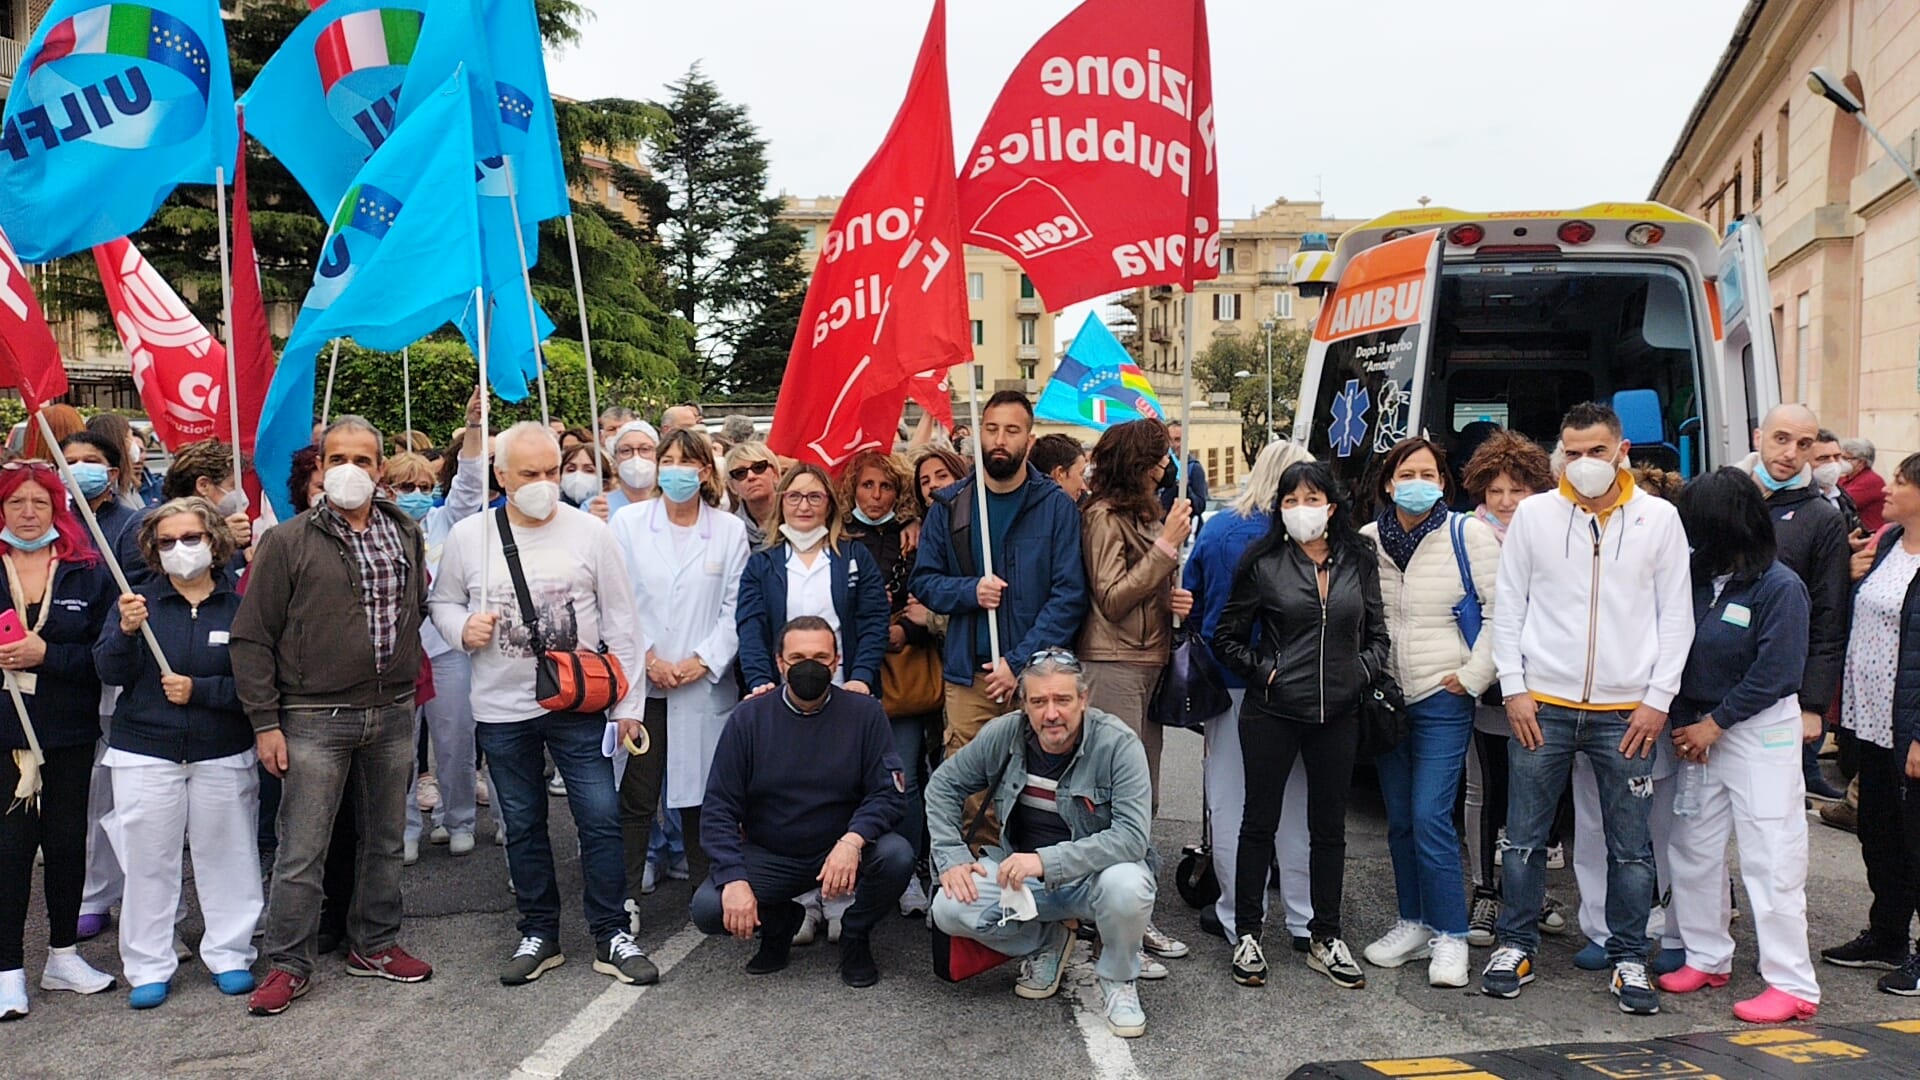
[211, 724]
[793, 783]
[1749, 648]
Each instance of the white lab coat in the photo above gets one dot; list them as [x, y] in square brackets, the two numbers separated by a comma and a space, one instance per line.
[686, 600]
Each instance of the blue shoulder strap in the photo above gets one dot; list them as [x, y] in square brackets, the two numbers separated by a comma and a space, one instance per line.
[1457, 530]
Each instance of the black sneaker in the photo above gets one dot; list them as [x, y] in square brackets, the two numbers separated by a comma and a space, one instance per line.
[1636, 993]
[1867, 951]
[1905, 981]
[777, 925]
[1508, 971]
[619, 957]
[1249, 963]
[1480, 923]
[1332, 958]
[857, 968]
[534, 957]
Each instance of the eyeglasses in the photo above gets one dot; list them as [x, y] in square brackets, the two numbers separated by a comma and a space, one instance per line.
[758, 468]
[192, 540]
[30, 466]
[408, 487]
[626, 453]
[805, 498]
[1058, 655]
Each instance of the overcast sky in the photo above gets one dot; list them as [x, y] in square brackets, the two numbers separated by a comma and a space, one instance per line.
[1479, 104]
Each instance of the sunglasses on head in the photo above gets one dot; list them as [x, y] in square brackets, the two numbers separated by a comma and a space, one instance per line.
[1058, 655]
[757, 468]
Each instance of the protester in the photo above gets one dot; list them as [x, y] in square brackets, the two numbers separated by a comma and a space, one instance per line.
[181, 758]
[678, 417]
[1829, 467]
[1862, 484]
[1305, 627]
[1878, 719]
[684, 556]
[1735, 724]
[612, 419]
[936, 468]
[566, 570]
[1429, 558]
[1209, 576]
[1034, 587]
[1061, 459]
[326, 655]
[1591, 672]
[753, 474]
[60, 594]
[805, 794]
[1071, 783]
[736, 429]
[632, 449]
[1196, 476]
[574, 436]
[120, 435]
[1507, 468]
[581, 481]
[204, 469]
[63, 418]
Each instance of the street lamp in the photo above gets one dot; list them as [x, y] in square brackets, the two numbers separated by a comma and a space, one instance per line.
[1823, 84]
[1268, 326]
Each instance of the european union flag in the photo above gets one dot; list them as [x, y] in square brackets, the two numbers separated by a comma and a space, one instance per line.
[1097, 384]
[113, 107]
[402, 257]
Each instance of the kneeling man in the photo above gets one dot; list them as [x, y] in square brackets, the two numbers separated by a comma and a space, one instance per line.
[1071, 784]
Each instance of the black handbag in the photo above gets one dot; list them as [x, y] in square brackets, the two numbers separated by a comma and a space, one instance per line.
[1192, 690]
[1383, 717]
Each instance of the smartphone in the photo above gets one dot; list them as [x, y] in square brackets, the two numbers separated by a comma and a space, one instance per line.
[10, 628]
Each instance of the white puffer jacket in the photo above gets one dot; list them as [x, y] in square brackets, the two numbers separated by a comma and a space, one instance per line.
[1427, 645]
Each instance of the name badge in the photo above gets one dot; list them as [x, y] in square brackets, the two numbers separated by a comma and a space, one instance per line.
[217, 637]
[1780, 738]
[24, 681]
[714, 568]
[1737, 615]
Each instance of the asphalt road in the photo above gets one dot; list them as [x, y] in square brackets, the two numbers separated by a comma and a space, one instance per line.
[707, 1018]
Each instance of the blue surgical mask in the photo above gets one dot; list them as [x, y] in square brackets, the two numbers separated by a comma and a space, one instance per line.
[679, 483]
[17, 544]
[1415, 496]
[863, 516]
[1767, 481]
[415, 503]
[92, 478]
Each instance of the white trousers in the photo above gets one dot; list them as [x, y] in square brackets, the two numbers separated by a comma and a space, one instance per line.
[1753, 789]
[449, 721]
[155, 806]
[105, 882]
[1590, 851]
[1227, 802]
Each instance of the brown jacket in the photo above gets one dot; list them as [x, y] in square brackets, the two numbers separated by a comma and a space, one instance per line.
[1130, 583]
[300, 636]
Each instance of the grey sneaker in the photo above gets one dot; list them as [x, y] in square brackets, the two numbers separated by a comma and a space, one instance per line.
[534, 957]
[619, 957]
[1332, 958]
[1162, 944]
[1041, 969]
[1125, 1017]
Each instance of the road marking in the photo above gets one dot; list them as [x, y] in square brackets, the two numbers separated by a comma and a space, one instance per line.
[1112, 1055]
[601, 1014]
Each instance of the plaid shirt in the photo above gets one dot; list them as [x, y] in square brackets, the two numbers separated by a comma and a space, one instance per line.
[382, 560]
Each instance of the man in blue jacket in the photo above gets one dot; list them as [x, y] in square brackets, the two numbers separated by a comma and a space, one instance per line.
[1036, 587]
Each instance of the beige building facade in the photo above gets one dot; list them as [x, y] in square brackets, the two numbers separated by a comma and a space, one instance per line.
[1842, 221]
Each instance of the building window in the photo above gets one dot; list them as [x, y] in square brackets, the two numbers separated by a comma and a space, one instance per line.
[615, 201]
[1026, 370]
[1226, 260]
[976, 286]
[1803, 334]
[979, 332]
[1780, 142]
[1029, 331]
[1026, 287]
[1226, 307]
[1739, 206]
[806, 239]
[1213, 461]
[1283, 304]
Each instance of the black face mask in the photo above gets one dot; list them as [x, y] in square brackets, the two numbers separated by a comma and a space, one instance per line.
[809, 680]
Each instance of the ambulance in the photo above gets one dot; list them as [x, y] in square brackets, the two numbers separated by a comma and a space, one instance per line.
[1451, 324]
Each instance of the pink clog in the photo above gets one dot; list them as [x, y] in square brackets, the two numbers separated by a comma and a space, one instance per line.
[1688, 979]
[1775, 1007]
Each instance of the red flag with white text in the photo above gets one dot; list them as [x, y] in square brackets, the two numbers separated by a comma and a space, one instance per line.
[29, 357]
[1096, 169]
[888, 296]
[179, 367]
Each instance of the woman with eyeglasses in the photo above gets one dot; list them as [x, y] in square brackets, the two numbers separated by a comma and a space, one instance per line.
[633, 449]
[57, 596]
[1305, 626]
[806, 567]
[753, 474]
[181, 755]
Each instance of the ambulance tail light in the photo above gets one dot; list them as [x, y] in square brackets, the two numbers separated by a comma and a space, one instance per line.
[1576, 232]
[1466, 235]
[1645, 234]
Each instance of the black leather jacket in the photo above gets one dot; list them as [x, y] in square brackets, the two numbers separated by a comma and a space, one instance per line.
[1311, 659]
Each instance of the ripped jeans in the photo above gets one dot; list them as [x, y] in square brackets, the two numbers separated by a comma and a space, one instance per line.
[1535, 781]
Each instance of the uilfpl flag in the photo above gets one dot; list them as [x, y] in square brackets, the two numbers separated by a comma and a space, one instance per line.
[113, 107]
[402, 257]
[29, 358]
[1097, 384]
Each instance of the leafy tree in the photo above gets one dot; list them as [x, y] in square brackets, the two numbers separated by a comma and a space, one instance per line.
[1215, 370]
[733, 263]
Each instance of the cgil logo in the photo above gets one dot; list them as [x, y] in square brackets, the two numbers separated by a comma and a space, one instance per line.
[1034, 218]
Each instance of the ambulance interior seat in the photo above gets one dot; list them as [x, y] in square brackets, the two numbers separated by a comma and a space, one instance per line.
[1642, 426]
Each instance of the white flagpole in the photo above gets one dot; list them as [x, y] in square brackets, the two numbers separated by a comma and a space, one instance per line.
[1186, 389]
[976, 374]
[586, 346]
[526, 278]
[226, 319]
[99, 537]
[326, 407]
[486, 418]
[406, 389]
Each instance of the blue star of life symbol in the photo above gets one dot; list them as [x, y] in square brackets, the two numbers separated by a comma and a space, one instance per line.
[1349, 428]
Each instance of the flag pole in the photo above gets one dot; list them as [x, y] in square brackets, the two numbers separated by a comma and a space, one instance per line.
[406, 389]
[486, 418]
[326, 407]
[99, 537]
[226, 316]
[586, 346]
[975, 374]
[526, 278]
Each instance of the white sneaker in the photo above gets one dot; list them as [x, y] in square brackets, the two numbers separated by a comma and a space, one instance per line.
[556, 785]
[481, 796]
[409, 852]
[500, 834]
[1449, 964]
[633, 918]
[650, 878]
[439, 835]
[426, 794]
[914, 901]
[1408, 940]
[1151, 969]
[461, 843]
[182, 951]
[13, 994]
[66, 971]
[1125, 1018]
[1557, 857]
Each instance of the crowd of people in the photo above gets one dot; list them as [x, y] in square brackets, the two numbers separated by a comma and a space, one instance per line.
[915, 687]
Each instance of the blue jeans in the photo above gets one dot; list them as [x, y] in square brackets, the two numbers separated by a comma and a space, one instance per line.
[1419, 780]
[910, 742]
[1535, 781]
[515, 754]
[1119, 900]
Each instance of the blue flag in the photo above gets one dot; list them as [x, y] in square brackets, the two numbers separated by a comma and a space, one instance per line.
[402, 257]
[1097, 384]
[113, 107]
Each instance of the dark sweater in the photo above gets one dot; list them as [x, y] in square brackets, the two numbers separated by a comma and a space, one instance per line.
[65, 704]
[793, 784]
[1812, 537]
[211, 724]
[1749, 648]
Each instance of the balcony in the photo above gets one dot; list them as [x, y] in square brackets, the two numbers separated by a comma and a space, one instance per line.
[1275, 277]
[1028, 305]
[1159, 335]
[10, 51]
[1018, 386]
[1160, 292]
[1026, 352]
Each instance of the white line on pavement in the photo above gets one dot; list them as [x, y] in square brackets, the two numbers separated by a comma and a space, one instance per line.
[1112, 1057]
[601, 1014]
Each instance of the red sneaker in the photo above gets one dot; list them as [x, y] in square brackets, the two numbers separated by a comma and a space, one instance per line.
[392, 963]
[276, 993]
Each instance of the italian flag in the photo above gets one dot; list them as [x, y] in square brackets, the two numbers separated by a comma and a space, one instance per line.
[131, 30]
[1094, 409]
[366, 39]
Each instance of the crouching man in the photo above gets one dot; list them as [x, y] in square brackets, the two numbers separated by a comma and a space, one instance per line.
[1071, 785]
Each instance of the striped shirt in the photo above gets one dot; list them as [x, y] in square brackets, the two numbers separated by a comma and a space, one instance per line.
[1036, 822]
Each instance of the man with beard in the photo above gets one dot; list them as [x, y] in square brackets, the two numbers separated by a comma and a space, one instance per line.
[1035, 587]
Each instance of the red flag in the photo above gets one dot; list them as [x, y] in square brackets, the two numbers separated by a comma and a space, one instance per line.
[179, 367]
[1096, 168]
[252, 335]
[29, 357]
[888, 297]
[933, 390]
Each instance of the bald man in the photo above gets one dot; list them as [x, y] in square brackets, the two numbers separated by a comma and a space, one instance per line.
[1812, 538]
[677, 417]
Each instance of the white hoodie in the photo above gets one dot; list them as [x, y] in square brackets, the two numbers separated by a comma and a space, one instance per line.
[1591, 612]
